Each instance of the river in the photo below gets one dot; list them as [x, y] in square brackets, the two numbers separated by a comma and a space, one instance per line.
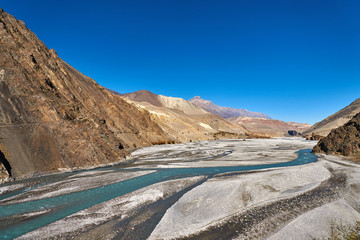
[27, 205]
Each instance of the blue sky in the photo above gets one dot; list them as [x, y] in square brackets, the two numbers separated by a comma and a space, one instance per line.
[293, 60]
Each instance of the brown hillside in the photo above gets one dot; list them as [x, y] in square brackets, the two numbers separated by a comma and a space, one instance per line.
[53, 117]
[144, 96]
[344, 140]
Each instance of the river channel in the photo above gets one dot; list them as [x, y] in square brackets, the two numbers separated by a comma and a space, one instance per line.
[27, 205]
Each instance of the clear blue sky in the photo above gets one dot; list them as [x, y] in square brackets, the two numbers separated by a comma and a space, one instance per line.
[293, 60]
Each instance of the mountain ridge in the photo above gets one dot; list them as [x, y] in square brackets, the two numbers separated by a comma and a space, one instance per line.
[184, 120]
[225, 112]
[257, 123]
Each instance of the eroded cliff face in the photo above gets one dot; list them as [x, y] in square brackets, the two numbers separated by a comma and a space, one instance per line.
[344, 140]
[52, 117]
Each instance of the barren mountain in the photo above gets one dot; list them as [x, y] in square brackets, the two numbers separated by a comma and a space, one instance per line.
[145, 96]
[271, 127]
[336, 120]
[182, 105]
[225, 112]
[256, 123]
[344, 140]
[53, 118]
[183, 120]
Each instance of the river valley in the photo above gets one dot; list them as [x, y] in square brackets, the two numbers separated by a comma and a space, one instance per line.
[225, 189]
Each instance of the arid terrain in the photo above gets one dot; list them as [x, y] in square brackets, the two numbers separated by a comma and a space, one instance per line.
[225, 112]
[230, 189]
[183, 120]
[81, 161]
[53, 118]
[270, 127]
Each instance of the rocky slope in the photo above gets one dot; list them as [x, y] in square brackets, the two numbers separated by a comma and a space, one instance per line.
[144, 96]
[336, 120]
[344, 140]
[52, 117]
[225, 112]
[183, 120]
[270, 127]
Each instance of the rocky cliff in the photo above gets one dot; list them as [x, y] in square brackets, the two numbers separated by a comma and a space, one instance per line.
[344, 140]
[52, 117]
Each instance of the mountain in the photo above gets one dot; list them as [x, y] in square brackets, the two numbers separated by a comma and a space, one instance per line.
[256, 123]
[225, 112]
[270, 127]
[344, 140]
[334, 121]
[164, 101]
[182, 105]
[183, 120]
[54, 118]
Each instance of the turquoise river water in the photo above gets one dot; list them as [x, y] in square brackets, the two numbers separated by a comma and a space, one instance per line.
[68, 204]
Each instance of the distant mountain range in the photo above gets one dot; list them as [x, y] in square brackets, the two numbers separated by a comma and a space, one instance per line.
[255, 122]
[338, 133]
[270, 127]
[182, 119]
[225, 112]
[262, 125]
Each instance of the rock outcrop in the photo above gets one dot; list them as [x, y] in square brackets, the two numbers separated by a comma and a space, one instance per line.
[5, 169]
[344, 140]
[314, 137]
[294, 133]
[52, 117]
[225, 112]
[336, 120]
